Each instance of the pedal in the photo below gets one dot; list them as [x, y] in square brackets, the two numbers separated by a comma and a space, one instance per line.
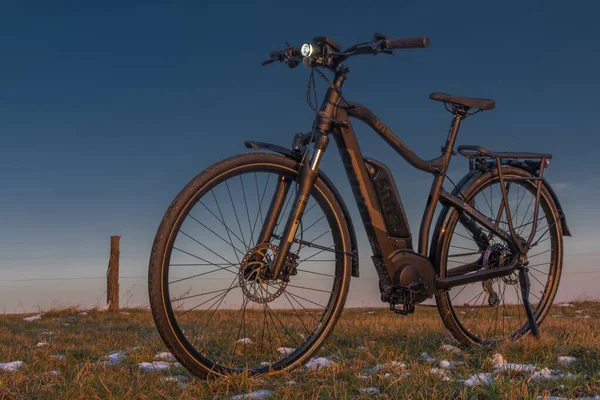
[405, 296]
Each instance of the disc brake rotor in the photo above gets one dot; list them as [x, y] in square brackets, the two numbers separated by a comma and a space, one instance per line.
[252, 276]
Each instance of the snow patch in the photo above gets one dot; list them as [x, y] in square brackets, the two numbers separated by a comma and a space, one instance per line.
[361, 348]
[58, 356]
[285, 350]
[53, 372]
[566, 360]
[83, 313]
[33, 318]
[445, 364]
[363, 377]
[259, 394]
[369, 390]
[180, 379]
[42, 344]
[548, 374]
[155, 366]
[516, 368]
[481, 378]
[245, 341]
[165, 356]
[427, 358]
[11, 366]
[566, 305]
[393, 364]
[582, 316]
[452, 349]
[442, 373]
[498, 361]
[579, 311]
[265, 364]
[291, 383]
[103, 308]
[114, 358]
[318, 363]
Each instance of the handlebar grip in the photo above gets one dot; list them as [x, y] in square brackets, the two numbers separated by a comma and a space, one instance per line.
[408, 43]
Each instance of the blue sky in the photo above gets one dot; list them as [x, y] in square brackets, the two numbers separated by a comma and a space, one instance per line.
[108, 109]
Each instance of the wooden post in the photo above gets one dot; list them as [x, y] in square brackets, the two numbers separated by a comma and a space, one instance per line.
[112, 275]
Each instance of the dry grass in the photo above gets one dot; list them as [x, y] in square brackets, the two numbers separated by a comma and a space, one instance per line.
[85, 340]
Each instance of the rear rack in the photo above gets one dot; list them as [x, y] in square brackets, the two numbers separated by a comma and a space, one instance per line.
[481, 152]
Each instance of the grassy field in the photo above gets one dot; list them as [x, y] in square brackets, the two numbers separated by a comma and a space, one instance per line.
[73, 363]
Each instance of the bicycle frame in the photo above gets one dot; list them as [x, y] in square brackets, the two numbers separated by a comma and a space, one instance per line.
[334, 119]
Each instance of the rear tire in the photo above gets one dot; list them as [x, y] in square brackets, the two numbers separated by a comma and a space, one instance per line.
[201, 353]
[461, 317]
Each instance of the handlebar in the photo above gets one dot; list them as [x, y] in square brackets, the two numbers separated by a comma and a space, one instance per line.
[332, 56]
[407, 43]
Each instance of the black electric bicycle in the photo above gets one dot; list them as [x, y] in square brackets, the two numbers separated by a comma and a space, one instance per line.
[252, 261]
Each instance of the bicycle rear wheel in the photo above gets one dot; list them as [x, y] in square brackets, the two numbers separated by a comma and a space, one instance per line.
[492, 311]
[212, 306]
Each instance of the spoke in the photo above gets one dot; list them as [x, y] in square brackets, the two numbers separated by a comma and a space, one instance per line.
[197, 275]
[201, 304]
[222, 219]
[524, 215]
[294, 338]
[206, 261]
[236, 215]
[466, 248]
[316, 273]
[297, 314]
[199, 264]
[220, 237]
[539, 254]
[201, 244]
[313, 224]
[231, 287]
[310, 301]
[198, 295]
[243, 313]
[312, 242]
[260, 202]
[247, 212]
[307, 288]
[460, 291]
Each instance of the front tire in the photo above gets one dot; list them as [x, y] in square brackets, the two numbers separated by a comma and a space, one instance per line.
[222, 347]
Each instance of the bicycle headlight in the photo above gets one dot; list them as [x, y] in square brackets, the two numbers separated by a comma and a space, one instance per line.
[307, 50]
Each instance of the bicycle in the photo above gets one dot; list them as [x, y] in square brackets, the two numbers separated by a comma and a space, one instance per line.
[249, 314]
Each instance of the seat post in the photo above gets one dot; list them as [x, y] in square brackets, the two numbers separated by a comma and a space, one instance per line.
[448, 149]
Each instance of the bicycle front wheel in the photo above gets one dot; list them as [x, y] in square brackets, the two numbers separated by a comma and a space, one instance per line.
[211, 302]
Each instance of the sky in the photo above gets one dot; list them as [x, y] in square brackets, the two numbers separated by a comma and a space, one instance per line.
[108, 109]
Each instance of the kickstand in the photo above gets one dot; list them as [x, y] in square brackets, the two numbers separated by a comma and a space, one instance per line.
[525, 286]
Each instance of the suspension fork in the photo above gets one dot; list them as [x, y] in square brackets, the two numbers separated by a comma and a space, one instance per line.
[308, 175]
[272, 216]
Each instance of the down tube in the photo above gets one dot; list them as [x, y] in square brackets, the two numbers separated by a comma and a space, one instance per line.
[363, 191]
